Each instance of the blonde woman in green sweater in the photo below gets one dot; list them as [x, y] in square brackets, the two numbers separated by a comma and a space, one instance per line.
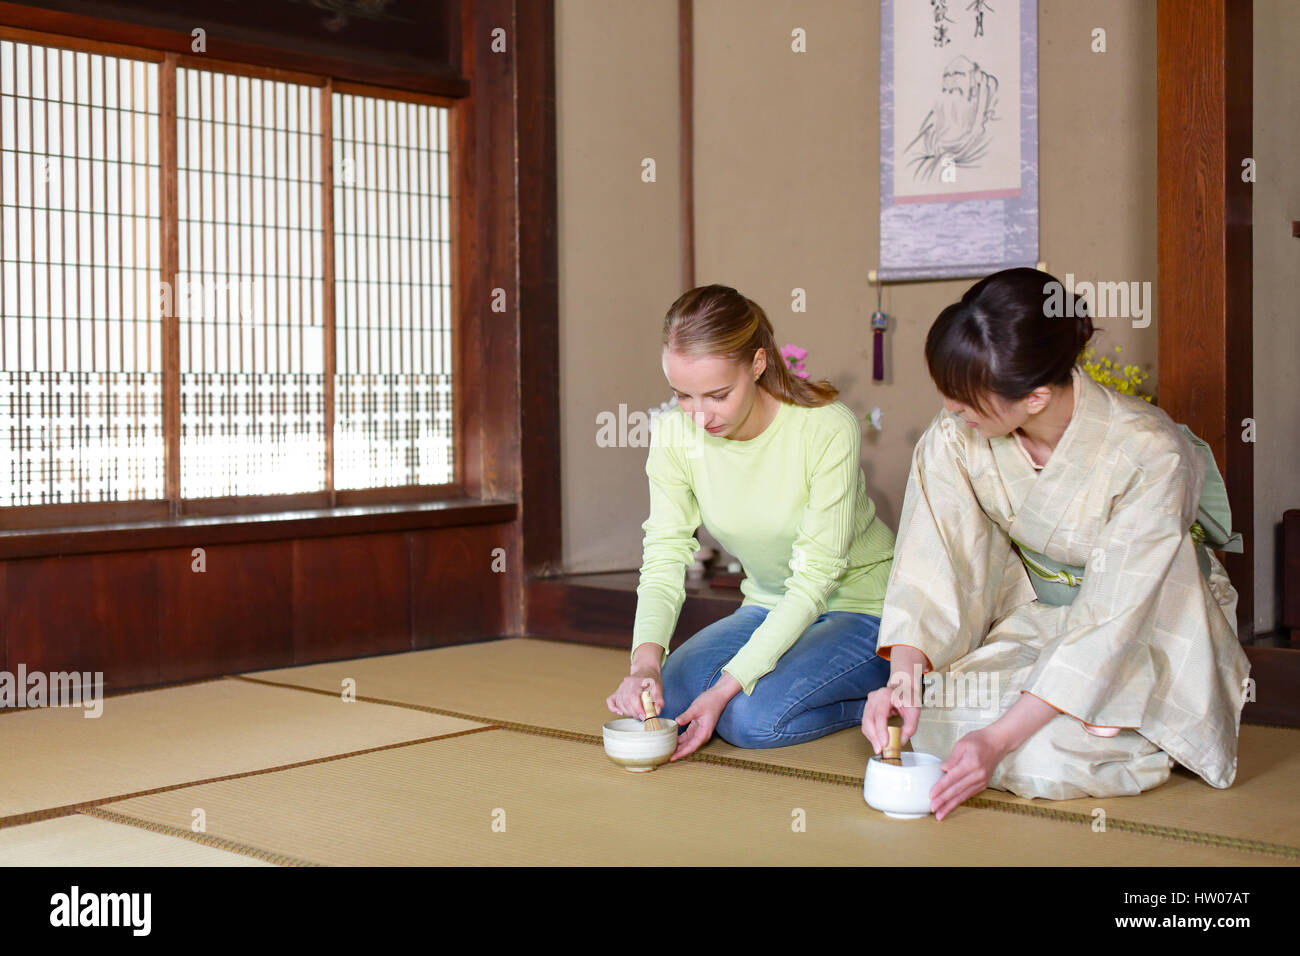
[769, 464]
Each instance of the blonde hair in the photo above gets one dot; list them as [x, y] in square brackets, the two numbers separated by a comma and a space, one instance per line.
[716, 320]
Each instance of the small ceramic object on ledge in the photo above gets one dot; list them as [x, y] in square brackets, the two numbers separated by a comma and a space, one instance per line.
[699, 570]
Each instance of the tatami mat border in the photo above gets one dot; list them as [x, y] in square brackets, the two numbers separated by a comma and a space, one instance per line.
[982, 803]
[220, 843]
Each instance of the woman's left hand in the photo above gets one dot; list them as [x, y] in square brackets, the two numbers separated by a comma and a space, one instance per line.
[967, 770]
[699, 719]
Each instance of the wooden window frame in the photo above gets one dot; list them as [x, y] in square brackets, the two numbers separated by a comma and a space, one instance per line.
[173, 505]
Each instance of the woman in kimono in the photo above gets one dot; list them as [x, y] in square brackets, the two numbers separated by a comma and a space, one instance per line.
[1052, 562]
[770, 465]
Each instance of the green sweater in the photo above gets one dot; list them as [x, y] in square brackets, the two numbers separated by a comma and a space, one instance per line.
[790, 503]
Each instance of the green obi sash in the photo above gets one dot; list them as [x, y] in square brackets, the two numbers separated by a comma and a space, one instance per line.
[1056, 583]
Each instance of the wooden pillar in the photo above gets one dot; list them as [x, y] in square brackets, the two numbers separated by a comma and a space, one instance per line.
[539, 294]
[1203, 92]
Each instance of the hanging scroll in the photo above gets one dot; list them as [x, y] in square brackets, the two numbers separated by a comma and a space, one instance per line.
[958, 137]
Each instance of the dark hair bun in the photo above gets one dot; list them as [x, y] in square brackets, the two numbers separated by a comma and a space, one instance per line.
[1086, 327]
[1010, 334]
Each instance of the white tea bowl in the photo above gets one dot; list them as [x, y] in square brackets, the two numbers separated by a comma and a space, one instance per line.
[636, 749]
[902, 792]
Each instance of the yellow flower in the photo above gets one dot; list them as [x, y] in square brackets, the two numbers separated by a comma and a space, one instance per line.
[1123, 378]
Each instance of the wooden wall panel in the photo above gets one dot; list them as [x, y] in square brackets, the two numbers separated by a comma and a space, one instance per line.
[455, 594]
[85, 613]
[350, 597]
[145, 618]
[237, 615]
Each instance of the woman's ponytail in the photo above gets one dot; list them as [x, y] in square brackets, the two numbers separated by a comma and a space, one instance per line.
[777, 377]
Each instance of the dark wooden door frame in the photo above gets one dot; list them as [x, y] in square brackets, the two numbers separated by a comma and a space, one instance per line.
[1204, 76]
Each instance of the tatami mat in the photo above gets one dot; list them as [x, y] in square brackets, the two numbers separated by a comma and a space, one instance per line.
[562, 802]
[1261, 804]
[563, 686]
[552, 683]
[522, 680]
[78, 840]
[415, 772]
[54, 757]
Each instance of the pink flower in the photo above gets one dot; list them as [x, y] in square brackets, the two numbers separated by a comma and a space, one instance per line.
[794, 357]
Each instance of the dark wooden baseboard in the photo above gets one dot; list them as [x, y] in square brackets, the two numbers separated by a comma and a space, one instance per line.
[599, 609]
[1275, 668]
[161, 615]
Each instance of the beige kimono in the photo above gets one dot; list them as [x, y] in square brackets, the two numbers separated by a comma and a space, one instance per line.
[1148, 644]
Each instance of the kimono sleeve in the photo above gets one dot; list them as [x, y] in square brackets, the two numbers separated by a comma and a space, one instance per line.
[951, 565]
[669, 544]
[820, 555]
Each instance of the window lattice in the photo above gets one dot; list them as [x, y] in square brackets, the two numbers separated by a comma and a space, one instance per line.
[84, 303]
[248, 296]
[80, 347]
[393, 411]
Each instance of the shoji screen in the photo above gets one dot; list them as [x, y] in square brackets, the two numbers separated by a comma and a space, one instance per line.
[249, 291]
[80, 344]
[86, 313]
[392, 293]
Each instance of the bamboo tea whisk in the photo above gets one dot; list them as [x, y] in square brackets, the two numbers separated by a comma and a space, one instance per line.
[651, 711]
[894, 748]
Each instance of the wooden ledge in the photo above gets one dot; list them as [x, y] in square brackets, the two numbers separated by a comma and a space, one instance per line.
[201, 531]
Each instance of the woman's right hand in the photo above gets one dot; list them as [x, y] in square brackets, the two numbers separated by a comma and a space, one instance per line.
[626, 700]
[895, 697]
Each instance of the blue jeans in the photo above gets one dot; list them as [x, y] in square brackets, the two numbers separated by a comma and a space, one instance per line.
[819, 685]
